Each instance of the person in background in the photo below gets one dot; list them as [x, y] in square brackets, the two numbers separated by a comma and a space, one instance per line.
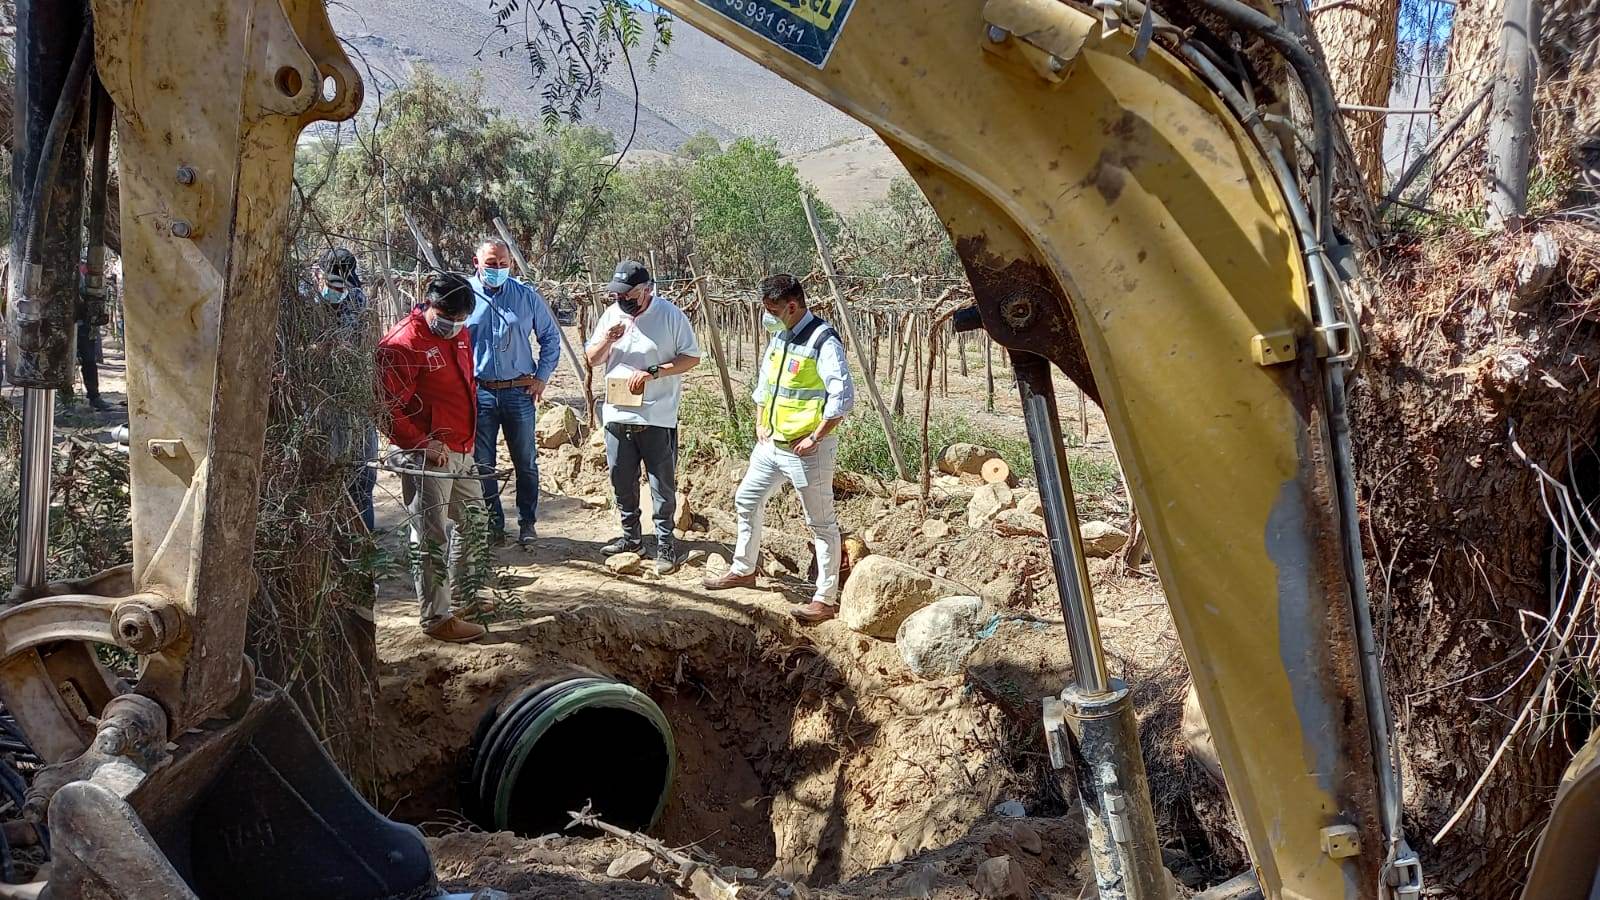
[803, 394]
[507, 317]
[425, 372]
[353, 436]
[91, 316]
[647, 343]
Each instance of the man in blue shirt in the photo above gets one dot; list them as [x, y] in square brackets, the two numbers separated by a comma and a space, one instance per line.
[508, 317]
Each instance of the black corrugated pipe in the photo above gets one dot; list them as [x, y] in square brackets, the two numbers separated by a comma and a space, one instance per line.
[560, 744]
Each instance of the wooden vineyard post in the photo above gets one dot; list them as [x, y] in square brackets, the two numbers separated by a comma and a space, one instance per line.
[844, 319]
[927, 401]
[716, 342]
[1083, 416]
[944, 362]
[988, 369]
[906, 342]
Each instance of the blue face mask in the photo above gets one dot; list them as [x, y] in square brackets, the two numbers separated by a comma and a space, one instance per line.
[332, 295]
[495, 277]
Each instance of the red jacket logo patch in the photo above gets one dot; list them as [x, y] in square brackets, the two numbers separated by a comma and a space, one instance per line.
[433, 359]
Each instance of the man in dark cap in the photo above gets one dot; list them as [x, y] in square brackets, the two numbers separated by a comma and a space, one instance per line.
[644, 345]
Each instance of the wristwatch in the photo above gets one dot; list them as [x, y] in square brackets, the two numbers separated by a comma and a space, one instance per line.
[652, 371]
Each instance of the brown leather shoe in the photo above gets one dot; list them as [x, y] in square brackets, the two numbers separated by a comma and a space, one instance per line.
[814, 612]
[454, 630]
[729, 580]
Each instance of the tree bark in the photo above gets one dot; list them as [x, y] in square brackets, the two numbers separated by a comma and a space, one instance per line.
[1509, 145]
[1458, 541]
[1358, 42]
[1566, 103]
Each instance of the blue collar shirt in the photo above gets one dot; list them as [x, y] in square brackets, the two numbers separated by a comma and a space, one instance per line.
[504, 324]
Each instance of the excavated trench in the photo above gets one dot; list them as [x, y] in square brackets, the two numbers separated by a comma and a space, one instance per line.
[717, 726]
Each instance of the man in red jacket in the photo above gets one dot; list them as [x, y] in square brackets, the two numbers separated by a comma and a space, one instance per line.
[425, 370]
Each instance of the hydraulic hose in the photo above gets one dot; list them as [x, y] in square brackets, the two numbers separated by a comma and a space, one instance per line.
[1323, 105]
[55, 140]
[558, 745]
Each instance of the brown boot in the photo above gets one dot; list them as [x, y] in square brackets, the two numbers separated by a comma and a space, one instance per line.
[729, 580]
[454, 630]
[814, 612]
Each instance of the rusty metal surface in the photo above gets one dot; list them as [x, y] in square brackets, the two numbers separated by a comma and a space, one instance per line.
[1118, 221]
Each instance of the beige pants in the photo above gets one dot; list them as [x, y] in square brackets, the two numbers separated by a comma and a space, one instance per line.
[434, 505]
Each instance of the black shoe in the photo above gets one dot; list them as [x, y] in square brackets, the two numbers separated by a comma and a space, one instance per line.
[667, 560]
[527, 534]
[98, 404]
[623, 545]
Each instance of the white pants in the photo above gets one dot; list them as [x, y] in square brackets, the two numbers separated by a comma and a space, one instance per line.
[812, 477]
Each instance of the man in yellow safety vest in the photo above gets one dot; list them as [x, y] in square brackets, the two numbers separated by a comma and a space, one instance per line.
[804, 393]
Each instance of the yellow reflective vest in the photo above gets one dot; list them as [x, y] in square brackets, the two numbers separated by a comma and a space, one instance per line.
[793, 393]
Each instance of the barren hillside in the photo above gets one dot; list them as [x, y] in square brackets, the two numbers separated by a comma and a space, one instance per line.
[688, 91]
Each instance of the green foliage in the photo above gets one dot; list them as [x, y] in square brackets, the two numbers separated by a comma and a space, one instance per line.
[650, 208]
[705, 429]
[900, 234]
[748, 216]
[435, 149]
[700, 145]
[90, 528]
[571, 44]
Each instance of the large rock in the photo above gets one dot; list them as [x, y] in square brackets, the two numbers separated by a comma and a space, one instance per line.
[881, 592]
[625, 563]
[1016, 523]
[936, 640]
[632, 865]
[1001, 878]
[683, 515]
[1101, 539]
[965, 459]
[1028, 501]
[558, 426]
[568, 465]
[986, 503]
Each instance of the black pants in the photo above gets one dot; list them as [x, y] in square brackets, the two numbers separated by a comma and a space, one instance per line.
[628, 446]
[89, 358]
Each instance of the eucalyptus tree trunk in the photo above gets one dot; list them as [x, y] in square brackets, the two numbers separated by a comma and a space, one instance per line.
[1358, 43]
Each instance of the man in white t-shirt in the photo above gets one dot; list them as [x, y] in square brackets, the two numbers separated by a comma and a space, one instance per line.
[644, 345]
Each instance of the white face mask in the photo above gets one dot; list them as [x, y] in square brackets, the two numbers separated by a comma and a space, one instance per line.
[772, 323]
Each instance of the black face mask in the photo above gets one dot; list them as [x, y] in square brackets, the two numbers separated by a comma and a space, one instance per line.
[629, 305]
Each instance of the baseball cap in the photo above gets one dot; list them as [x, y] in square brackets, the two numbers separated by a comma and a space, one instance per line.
[629, 275]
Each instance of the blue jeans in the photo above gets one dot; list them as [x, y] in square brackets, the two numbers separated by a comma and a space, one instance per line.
[510, 409]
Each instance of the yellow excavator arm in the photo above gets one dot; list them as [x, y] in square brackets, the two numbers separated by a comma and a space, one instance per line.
[1123, 215]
